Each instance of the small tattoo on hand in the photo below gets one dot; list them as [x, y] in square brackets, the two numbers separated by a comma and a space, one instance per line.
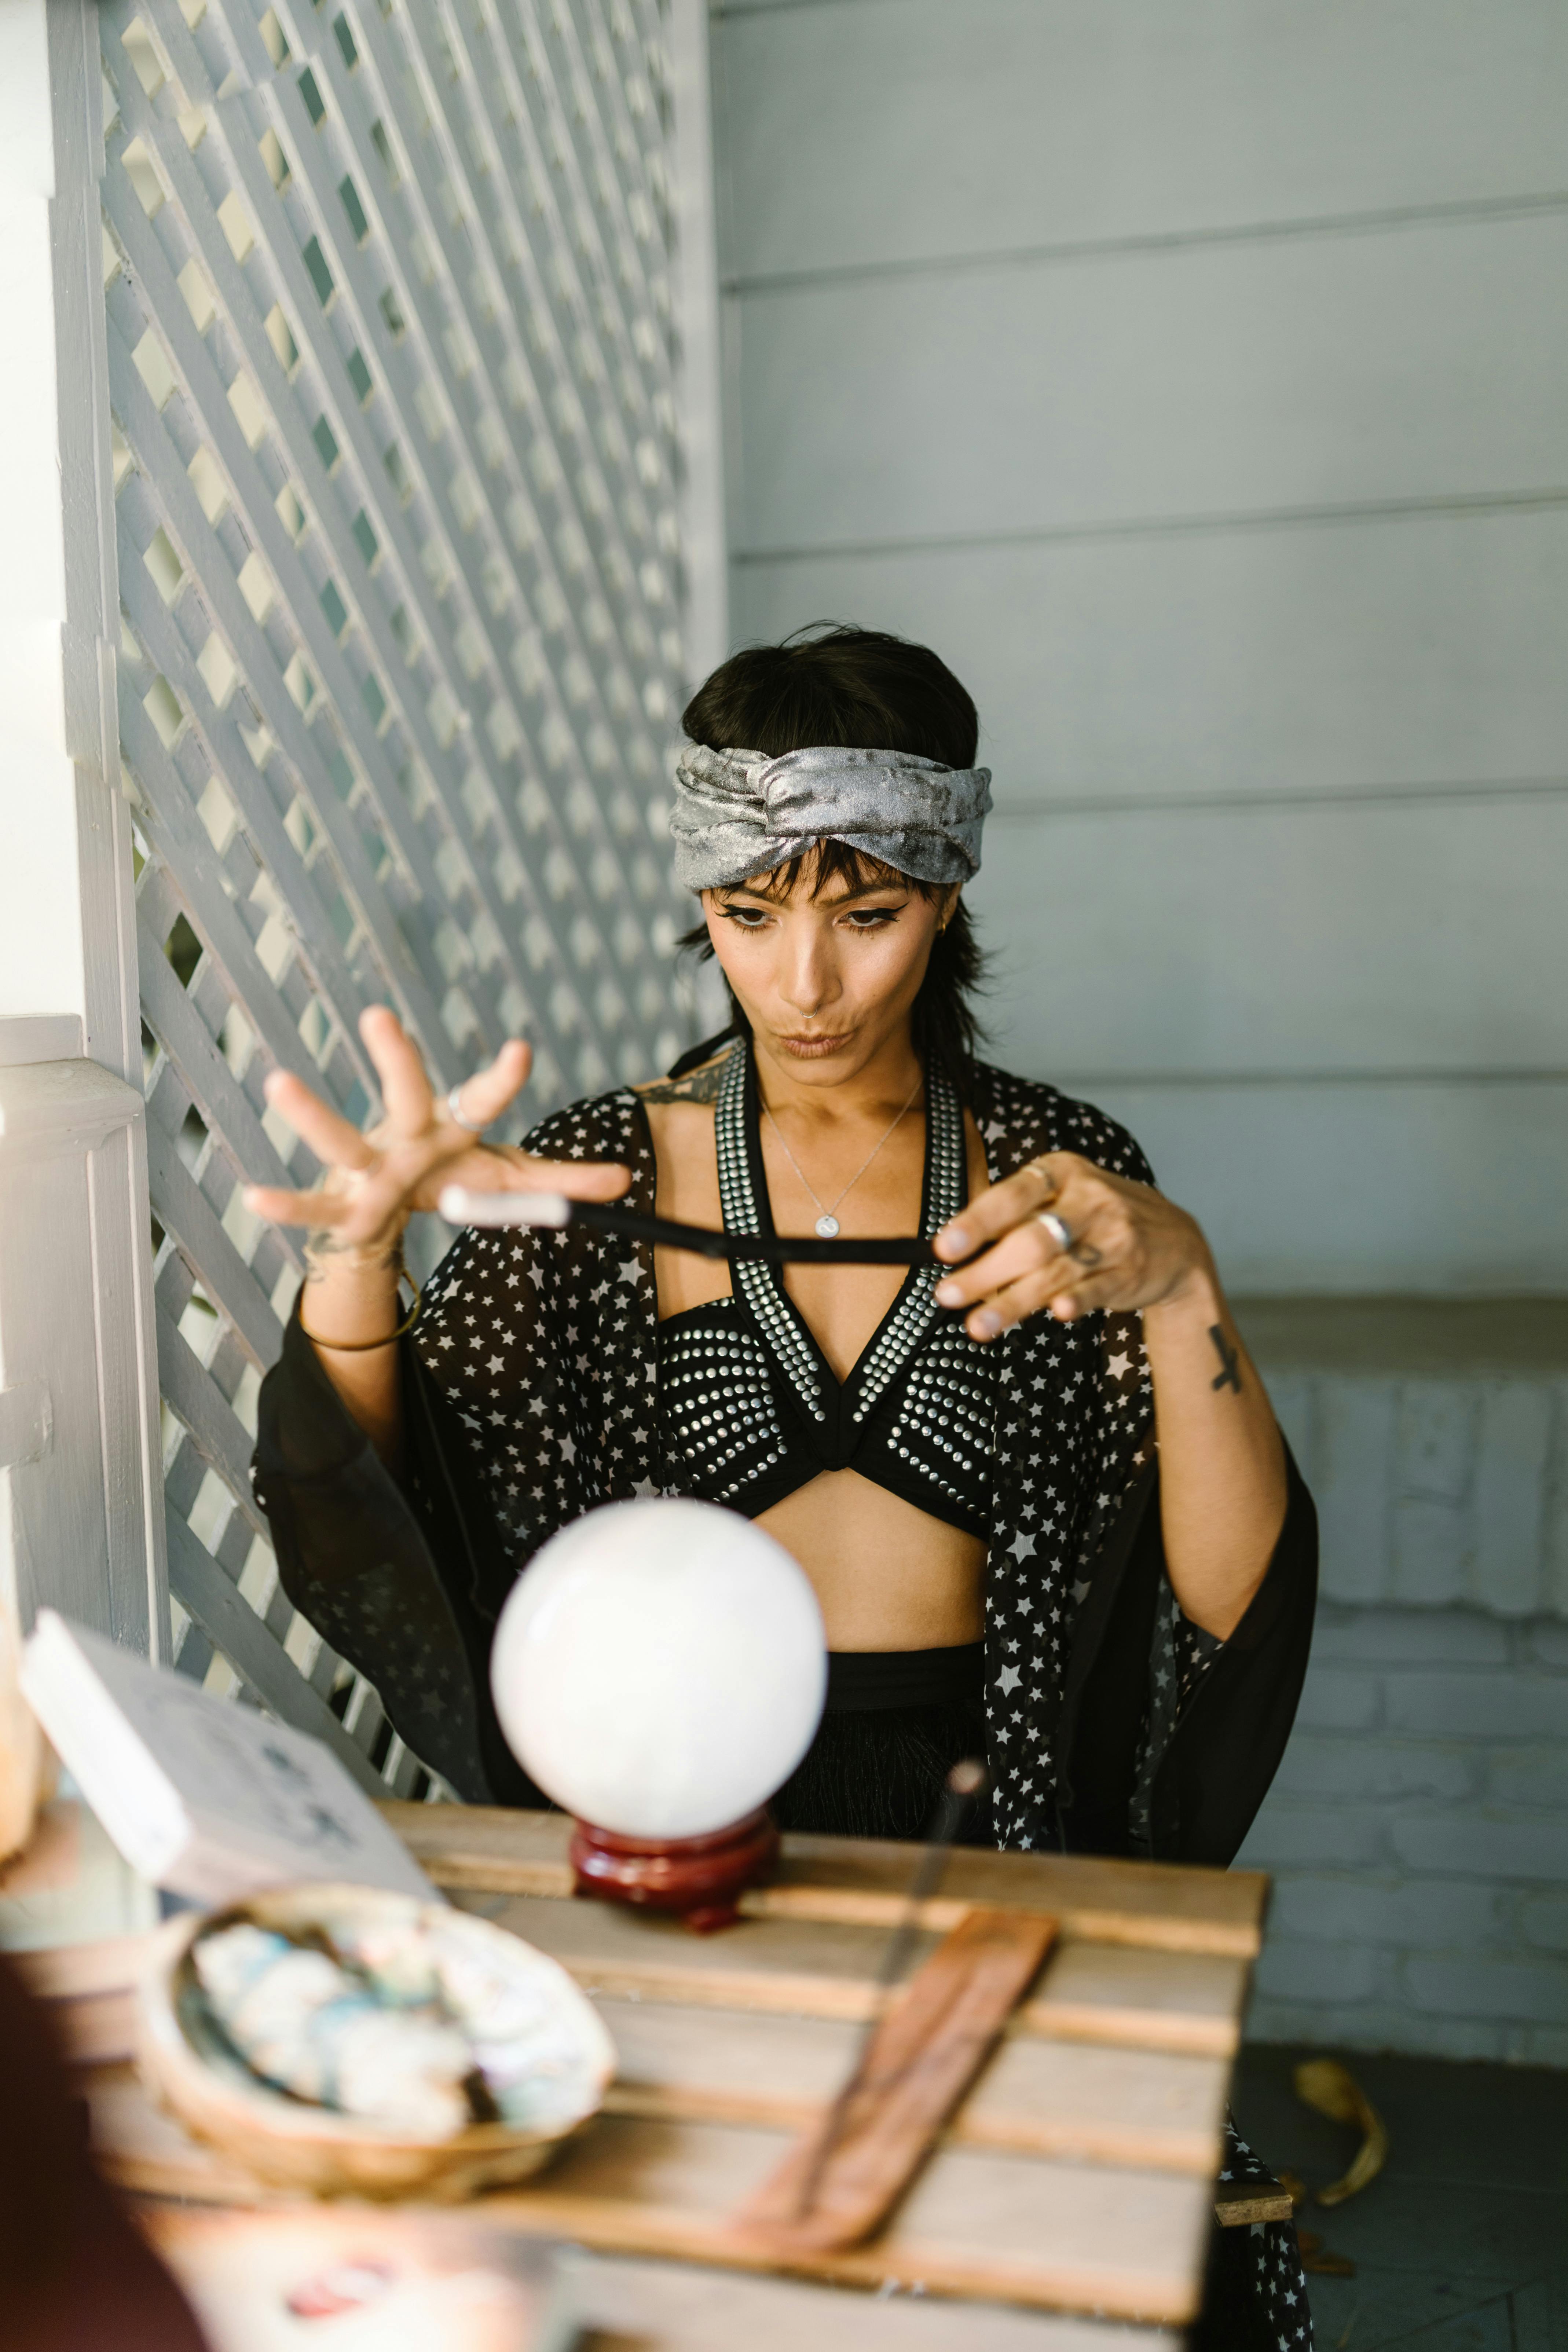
[1229, 1374]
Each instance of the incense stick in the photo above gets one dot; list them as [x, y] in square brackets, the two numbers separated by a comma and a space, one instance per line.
[965, 1783]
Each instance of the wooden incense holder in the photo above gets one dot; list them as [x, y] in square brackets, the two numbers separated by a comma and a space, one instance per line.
[843, 2178]
[700, 1879]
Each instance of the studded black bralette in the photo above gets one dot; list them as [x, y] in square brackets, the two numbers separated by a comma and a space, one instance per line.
[749, 1408]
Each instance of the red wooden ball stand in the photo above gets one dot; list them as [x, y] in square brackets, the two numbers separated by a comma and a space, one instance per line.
[700, 1879]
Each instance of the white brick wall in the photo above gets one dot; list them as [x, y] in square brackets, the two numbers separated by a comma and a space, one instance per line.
[1418, 1830]
[1418, 1835]
[1437, 1490]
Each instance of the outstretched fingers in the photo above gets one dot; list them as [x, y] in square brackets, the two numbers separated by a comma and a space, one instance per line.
[512, 1170]
[373, 1182]
[482, 1098]
[334, 1139]
[323, 1211]
[400, 1066]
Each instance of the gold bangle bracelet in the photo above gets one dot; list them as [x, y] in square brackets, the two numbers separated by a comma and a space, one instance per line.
[365, 1347]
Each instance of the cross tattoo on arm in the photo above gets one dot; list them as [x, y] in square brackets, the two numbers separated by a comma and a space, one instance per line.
[1229, 1374]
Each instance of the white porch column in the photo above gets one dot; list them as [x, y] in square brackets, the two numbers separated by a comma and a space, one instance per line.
[80, 1508]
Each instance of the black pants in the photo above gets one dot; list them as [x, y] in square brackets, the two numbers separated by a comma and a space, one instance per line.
[896, 1724]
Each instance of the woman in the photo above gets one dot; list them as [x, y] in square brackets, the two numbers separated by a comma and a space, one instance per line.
[1042, 1498]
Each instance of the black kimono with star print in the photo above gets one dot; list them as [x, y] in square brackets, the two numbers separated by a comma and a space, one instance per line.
[530, 1390]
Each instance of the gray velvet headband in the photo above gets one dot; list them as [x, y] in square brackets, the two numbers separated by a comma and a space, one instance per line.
[741, 813]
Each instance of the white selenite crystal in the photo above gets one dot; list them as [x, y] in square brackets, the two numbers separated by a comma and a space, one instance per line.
[659, 1668]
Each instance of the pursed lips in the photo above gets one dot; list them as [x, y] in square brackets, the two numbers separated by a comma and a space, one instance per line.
[814, 1046]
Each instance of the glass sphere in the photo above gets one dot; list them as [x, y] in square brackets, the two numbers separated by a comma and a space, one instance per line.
[659, 1667]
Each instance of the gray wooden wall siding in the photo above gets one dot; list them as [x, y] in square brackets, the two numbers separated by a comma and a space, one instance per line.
[1194, 379]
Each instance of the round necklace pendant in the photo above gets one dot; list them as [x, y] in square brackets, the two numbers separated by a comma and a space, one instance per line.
[827, 1227]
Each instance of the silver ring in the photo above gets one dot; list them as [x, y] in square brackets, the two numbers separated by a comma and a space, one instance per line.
[1058, 1227]
[455, 1112]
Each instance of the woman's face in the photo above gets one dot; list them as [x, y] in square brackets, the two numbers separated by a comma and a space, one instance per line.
[825, 982]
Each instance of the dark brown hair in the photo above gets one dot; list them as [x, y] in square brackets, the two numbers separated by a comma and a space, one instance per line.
[832, 683]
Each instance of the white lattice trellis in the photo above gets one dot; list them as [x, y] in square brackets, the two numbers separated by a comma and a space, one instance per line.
[390, 358]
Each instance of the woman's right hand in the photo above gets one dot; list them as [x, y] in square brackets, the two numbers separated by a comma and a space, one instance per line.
[373, 1183]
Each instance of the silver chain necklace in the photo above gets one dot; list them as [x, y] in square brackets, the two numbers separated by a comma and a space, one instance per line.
[827, 1224]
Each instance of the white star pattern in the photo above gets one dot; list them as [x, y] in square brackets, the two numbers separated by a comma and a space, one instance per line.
[1267, 2258]
[563, 1325]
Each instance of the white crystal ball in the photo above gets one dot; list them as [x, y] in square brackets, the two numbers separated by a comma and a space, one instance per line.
[659, 1667]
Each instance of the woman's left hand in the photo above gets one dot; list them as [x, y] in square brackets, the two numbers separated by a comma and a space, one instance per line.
[1068, 1237]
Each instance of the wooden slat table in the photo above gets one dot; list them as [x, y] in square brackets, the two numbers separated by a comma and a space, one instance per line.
[629, 2305]
[1076, 2177]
